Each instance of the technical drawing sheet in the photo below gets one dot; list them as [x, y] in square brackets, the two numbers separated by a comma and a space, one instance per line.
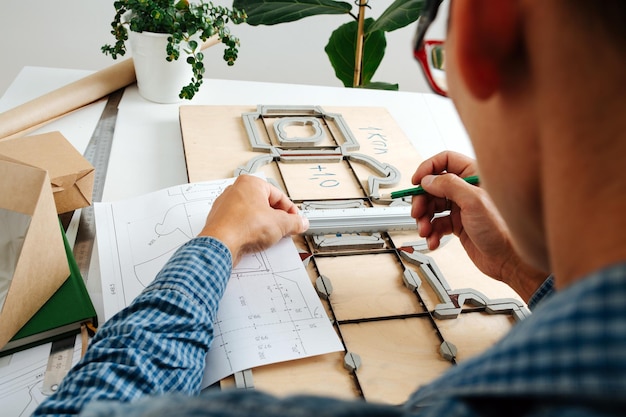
[270, 311]
[22, 378]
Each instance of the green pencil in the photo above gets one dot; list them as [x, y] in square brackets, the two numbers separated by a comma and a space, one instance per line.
[419, 190]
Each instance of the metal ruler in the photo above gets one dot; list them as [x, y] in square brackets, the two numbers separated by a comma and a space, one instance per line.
[59, 364]
[97, 153]
[359, 220]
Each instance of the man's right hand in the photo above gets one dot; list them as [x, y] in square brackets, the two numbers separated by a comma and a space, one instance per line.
[252, 215]
[473, 218]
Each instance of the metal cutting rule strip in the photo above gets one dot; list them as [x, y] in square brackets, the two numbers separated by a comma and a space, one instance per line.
[97, 153]
[362, 219]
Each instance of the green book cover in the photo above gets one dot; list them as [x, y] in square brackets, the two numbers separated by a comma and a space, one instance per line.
[61, 316]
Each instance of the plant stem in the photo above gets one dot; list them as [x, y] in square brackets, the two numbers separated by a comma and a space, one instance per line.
[213, 40]
[360, 40]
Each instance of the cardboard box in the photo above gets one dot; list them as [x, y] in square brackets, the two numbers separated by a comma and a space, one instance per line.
[70, 174]
[33, 263]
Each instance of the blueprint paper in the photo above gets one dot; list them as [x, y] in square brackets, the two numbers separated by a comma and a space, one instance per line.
[270, 311]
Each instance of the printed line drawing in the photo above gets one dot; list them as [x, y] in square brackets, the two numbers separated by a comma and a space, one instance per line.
[270, 311]
[21, 379]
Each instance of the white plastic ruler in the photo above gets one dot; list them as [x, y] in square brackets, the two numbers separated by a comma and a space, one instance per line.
[359, 220]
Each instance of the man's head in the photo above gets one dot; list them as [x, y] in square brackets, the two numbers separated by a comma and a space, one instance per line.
[535, 82]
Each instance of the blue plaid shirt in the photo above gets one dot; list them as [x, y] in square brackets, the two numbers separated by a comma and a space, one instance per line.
[568, 358]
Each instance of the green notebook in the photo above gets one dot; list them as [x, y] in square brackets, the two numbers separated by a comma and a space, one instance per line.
[61, 316]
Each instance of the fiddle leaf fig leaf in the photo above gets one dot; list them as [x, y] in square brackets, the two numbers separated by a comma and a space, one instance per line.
[271, 12]
[400, 14]
[341, 49]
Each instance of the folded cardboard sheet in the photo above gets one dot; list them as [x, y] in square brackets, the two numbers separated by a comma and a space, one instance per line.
[33, 265]
[70, 174]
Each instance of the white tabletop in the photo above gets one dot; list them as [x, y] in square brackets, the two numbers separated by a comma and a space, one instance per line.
[147, 147]
[147, 152]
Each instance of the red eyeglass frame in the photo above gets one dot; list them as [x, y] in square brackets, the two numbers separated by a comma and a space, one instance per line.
[421, 56]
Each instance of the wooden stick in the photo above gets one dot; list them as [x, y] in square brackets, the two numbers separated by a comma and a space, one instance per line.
[360, 40]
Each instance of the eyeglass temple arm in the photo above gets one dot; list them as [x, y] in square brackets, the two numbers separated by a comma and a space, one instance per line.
[431, 8]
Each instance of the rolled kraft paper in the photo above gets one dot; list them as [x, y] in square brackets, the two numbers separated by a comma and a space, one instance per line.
[33, 114]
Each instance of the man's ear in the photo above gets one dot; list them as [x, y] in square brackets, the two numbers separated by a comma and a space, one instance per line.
[486, 35]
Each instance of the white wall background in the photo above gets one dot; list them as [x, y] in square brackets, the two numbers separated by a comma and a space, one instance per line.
[69, 34]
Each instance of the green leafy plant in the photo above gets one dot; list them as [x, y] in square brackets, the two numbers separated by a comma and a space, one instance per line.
[355, 49]
[181, 20]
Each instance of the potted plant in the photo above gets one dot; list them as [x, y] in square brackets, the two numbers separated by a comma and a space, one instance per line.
[356, 48]
[179, 24]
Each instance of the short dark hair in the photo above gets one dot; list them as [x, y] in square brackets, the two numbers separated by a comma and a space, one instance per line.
[608, 16]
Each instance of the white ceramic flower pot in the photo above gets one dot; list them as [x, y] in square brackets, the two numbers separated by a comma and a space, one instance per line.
[157, 79]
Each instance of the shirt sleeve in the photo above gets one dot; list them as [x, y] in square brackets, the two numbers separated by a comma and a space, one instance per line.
[543, 292]
[158, 343]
